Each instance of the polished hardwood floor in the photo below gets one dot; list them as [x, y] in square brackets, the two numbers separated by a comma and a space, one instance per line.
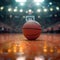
[17, 47]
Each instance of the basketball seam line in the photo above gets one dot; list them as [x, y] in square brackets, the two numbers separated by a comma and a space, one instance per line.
[32, 28]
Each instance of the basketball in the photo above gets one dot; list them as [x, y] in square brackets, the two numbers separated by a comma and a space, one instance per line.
[31, 30]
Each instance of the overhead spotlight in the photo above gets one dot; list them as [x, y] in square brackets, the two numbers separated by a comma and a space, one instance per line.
[51, 9]
[57, 8]
[9, 9]
[15, 10]
[21, 10]
[38, 10]
[20, 0]
[45, 10]
[50, 3]
[22, 4]
[2, 8]
[40, 1]
[29, 10]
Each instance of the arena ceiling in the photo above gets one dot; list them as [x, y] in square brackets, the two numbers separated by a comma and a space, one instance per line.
[46, 12]
[47, 8]
[11, 2]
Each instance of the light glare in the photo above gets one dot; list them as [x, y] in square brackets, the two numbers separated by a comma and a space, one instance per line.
[45, 10]
[50, 3]
[38, 1]
[57, 8]
[15, 10]
[2, 8]
[30, 10]
[21, 10]
[51, 9]
[20, 0]
[9, 9]
[38, 10]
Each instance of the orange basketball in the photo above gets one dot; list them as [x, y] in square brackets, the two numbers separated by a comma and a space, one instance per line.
[31, 30]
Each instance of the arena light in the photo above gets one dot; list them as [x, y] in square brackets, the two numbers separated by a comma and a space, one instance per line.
[50, 3]
[57, 8]
[15, 10]
[9, 9]
[38, 10]
[51, 9]
[21, 10]
[20, 0]
[45, 10]
[2, 8]
[40, 1]
[29, 10]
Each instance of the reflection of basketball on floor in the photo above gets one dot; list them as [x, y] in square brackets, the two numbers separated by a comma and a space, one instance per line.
[31, 30]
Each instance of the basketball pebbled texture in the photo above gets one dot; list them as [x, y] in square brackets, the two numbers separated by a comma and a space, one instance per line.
[31, 30]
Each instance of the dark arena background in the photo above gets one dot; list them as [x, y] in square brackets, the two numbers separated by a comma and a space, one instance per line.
[14, 45]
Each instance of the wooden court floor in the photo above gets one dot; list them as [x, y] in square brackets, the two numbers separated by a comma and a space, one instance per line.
[17, 47]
